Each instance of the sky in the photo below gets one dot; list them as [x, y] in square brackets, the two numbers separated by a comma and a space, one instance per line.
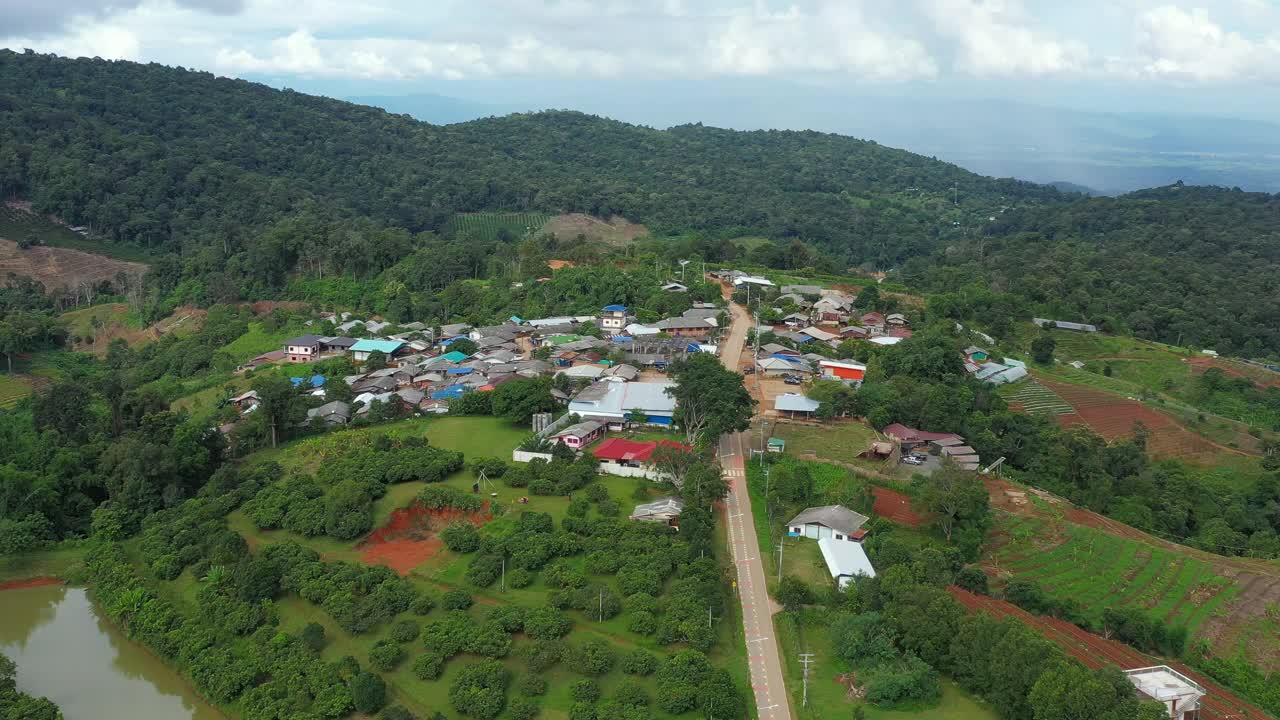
[1197, 56]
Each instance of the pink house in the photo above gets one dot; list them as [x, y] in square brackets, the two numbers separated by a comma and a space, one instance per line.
[580, 435]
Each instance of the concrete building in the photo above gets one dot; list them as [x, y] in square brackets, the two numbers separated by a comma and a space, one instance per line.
[828, 521]
[1179, 694]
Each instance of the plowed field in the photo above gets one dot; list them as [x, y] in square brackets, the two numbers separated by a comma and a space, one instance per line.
[412, 537]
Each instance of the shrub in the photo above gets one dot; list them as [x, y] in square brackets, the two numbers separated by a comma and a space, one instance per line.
[631, 693]
[582, 711]
[422, 604]
[973, 580]
[461, 537]
[522, 708]
[456, 599]
[385, 655]
[428, 666]
[608, 508]
[368, 692]
[405, 631]
[639, 662]
[166, 567]
[593, 657]
[584, 691]
[508, 617]
[492, 467]
[546, 623]
[395, 712]
[641, 623]
[532, 685]
[519, 578]
[541, 655]
[907, 679]
[480, 690]
[597, 493]
[484, 570]
[313, 636]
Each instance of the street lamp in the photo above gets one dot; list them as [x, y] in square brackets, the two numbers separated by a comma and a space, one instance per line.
[682, 264]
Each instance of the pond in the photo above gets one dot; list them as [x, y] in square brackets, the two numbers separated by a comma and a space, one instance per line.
[68, 652]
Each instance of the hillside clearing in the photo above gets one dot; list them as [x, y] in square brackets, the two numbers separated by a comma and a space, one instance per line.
[616, 231]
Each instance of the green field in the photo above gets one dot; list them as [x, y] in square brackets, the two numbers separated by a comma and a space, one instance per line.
[18, 226]
[82, 321]
[256, 341]
[1099, 570]
[841, 442]
[487, 225]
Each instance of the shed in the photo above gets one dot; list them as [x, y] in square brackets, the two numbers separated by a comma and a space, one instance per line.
[795, 403]
[664, 510]
[845, 561]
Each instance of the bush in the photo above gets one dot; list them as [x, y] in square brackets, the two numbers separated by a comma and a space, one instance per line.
[508, 617]
[368, 692]
[909, 679]
[519, 578]
[456, 599]
[642, 623]
[166, 567]
[405, 631]
[396, 712]
[422, 604]
[973, 580]
[532, 685]
[609, 508]
[428, 666]
[313, 636]
[631, 693]
[585, 691]
[639, 662]
[480, 690]
[597, 493]
[385, 655]
[522, 708]
[484, 570]
[582, 711]
[492, 467]
[593, 657]
[461, 537]
[546, 623]
[541, 655]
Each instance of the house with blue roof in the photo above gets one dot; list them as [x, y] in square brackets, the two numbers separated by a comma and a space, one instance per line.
[613, 318]
[363, 348]
[316, 381]
[453, 392]
[454, 356]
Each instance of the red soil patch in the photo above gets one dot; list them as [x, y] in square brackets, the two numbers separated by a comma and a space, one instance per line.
[29, 583]
[895, 506]
[265, 307]
[411, 537]
[1095, 651]
[1261, 377]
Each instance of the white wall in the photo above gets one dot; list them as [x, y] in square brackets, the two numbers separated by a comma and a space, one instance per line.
[522, 456]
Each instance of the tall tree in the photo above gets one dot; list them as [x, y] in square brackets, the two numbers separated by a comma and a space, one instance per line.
[955, 496]
[710, 399]
[277, 397]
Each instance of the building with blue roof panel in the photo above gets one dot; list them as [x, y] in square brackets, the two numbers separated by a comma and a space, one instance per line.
[363, 348]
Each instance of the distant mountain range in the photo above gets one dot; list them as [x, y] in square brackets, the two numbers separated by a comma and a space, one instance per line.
[1103, 153]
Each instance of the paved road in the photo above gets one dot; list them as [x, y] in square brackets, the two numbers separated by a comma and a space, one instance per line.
[757, 607]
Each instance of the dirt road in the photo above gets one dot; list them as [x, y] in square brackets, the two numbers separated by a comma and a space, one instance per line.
[767, 682]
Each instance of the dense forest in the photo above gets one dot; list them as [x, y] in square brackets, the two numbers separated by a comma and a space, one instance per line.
[240, 189]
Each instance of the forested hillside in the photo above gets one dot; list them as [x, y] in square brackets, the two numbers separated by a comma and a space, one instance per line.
[178, 159]
[1182, 265]
[242, 189]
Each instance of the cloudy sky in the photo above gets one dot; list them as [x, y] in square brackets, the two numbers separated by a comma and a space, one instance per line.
[1153, 55]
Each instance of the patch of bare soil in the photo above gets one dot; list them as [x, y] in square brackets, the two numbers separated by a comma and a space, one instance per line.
[617, 231]
[60, 267]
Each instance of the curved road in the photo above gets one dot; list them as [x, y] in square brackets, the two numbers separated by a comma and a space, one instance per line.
[763, 658]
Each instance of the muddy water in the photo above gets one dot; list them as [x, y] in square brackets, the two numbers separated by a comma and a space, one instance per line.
[69, 653]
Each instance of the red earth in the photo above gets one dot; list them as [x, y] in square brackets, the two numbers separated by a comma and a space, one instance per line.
[1095, 651]
[411, 536]
[895, 506]
[30, 582]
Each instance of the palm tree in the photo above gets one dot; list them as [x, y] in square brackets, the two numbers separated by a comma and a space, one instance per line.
[215, 575]
[128, 604]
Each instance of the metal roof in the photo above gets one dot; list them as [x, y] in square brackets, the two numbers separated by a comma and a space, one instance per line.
[792, 402]
[845, 558]
[383, 346]
[836, 517]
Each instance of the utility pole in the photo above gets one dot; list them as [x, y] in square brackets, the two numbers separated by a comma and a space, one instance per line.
[601, 616]
[781, 544]
[806, 658]
[504, 573]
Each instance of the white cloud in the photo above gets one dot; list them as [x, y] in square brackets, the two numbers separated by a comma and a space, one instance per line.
[995, 38]
[302, 53]
[107, 41]
[1188, 45]
[836, 37]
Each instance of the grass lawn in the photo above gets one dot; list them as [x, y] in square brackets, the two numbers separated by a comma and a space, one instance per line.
[81, 321]
[61, 561]
[841, 442]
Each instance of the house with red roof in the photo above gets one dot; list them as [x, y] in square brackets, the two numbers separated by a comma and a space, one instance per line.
[630, 458]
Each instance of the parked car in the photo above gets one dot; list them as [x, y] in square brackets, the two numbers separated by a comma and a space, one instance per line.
[912, 460]
[749, 370]
[793, 380]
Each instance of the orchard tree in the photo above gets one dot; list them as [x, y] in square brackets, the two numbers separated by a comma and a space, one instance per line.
[956, 497]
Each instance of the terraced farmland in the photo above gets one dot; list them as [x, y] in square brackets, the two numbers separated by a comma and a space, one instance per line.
[12, 389]
[1036, 399]
[487, 226]
[1100, 570]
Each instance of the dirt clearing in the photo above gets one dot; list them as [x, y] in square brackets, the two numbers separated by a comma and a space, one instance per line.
[412, 536]
[61, 268]
[617, 231]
